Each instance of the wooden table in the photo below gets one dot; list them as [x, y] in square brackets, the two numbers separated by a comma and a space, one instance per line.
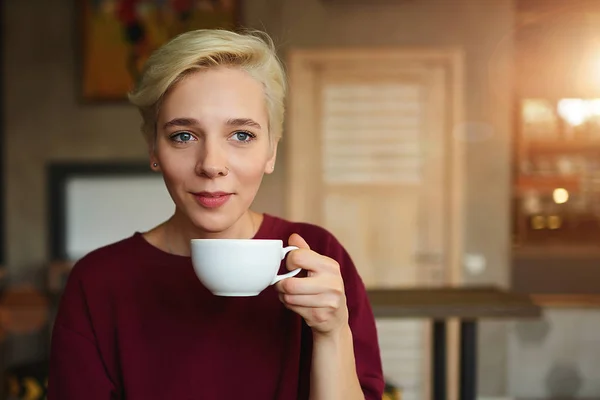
[468, 304]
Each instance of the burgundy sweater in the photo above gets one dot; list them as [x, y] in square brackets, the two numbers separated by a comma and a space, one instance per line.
[135, 323]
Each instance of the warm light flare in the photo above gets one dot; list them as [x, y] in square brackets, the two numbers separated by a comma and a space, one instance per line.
[560, 195]
[578, 111]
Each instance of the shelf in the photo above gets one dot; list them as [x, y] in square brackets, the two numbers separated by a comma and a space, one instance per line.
[561, 146]
[547, 184]
[556, 251]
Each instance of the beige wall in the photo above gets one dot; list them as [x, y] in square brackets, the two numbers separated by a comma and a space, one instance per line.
[45, 122]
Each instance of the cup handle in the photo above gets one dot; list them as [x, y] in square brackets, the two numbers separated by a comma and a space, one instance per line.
[295, 272]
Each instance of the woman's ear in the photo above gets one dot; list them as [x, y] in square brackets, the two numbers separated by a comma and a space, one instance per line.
[270, 166]
[154, 164]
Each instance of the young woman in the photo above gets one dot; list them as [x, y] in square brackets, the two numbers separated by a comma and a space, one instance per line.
[134, 321]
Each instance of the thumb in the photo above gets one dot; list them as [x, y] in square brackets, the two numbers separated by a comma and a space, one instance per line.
[298, 241]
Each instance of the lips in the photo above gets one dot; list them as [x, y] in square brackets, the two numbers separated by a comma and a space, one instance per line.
[212, 199]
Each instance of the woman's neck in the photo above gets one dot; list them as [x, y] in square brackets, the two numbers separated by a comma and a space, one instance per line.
[178, 230]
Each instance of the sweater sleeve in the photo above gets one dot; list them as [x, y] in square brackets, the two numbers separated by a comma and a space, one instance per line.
[76, 369]
[362, 325]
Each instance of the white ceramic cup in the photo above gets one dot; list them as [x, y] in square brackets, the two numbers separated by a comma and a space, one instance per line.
[239, 267]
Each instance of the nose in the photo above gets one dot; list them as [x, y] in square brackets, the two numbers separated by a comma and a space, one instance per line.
[212, 160]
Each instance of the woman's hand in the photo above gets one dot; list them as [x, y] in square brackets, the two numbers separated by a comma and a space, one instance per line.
[319, 298]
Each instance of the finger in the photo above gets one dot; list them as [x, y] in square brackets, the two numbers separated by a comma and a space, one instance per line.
[311, 315]
[310, 261]
[309, 285]
[324, 301]
[300, 309]
[298, 241]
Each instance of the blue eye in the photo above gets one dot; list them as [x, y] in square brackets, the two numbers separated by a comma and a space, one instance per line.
[243, 136]
[182, 137]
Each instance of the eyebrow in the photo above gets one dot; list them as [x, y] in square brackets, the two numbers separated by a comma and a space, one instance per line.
[181, 122]
[243, 122]
[187, 122]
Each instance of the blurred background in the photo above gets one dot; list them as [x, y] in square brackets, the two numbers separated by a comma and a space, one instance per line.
[447, 143]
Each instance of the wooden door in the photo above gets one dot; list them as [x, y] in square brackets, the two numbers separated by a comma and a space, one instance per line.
[373, 155]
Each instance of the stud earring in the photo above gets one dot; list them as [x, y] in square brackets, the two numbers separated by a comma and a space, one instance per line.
[155, 165]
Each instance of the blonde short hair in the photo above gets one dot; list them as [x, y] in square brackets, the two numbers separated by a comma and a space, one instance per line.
[252, 51]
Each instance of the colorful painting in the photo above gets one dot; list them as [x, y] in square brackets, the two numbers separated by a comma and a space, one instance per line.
[119, 35]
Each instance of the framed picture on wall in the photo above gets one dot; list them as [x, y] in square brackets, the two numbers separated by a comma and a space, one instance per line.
[117, 36]
[95, 204]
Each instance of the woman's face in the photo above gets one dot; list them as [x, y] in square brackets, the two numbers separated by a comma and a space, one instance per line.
[213, 147]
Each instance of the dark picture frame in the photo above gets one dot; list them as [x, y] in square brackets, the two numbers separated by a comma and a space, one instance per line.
[58, 176]
[115, 37]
